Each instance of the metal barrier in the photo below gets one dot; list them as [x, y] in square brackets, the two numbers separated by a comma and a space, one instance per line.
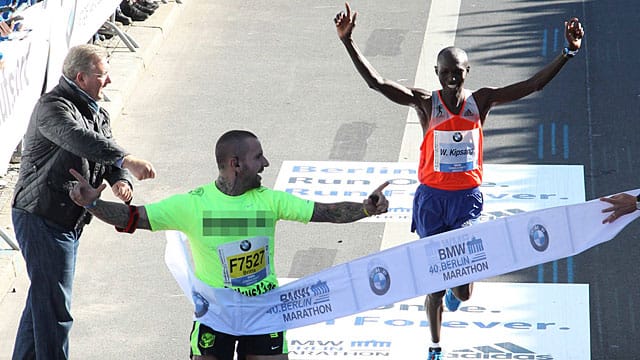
[9, 240]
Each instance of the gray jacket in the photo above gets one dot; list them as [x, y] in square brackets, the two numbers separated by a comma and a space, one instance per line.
[65, 132]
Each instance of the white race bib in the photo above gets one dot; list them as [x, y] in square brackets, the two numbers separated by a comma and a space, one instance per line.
[245, 262]
[455, 151]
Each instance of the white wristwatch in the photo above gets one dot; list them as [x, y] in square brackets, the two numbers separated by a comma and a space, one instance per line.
[568, 53]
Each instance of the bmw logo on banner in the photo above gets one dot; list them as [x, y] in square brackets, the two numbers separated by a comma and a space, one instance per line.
[379, 279]
[201, 305]
[538, 235]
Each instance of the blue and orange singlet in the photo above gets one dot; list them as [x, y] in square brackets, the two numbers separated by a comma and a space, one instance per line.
[451, 151]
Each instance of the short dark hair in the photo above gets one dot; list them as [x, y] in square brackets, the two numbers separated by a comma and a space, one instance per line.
[230, 144]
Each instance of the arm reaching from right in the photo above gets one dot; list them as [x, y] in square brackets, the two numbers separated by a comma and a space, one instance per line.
[621, 204]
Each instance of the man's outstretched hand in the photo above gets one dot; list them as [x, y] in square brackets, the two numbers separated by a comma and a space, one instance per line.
[140, 168]
[83, 193]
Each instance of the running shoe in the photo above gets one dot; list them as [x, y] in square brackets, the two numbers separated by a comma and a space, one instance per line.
[435, 353]
[451, 301]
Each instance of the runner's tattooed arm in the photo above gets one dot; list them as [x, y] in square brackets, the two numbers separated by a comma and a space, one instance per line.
[118, 214]
[346, 212]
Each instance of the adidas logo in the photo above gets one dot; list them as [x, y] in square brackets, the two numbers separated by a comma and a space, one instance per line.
[468, 113]
[506, 350]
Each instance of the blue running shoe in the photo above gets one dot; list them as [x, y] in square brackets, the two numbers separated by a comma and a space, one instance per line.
[451, 301]
[435, 354]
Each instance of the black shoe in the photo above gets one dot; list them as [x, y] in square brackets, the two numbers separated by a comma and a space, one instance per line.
[132, 12]
[105, 34]
[144, 9]
[150, 4]
[122, 18]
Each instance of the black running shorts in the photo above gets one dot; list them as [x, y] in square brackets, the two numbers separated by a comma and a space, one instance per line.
[206, 341]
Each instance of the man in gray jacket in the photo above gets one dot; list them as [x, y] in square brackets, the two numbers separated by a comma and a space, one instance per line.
[68, 130]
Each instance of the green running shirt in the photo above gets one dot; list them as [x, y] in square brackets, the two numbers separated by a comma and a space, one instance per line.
[231, 237]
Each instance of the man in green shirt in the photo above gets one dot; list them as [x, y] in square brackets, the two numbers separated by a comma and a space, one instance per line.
[230, 224]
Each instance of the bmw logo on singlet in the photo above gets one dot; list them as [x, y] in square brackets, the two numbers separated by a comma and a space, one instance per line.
[245, 245]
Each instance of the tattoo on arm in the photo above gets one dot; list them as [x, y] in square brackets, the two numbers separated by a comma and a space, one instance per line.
[117, 214]
[339, 213]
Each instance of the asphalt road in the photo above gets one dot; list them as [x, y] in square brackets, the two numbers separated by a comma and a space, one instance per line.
[277, 68]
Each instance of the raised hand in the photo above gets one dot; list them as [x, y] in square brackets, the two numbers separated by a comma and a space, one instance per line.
[574, 33]
[345, 22]
[83, 193]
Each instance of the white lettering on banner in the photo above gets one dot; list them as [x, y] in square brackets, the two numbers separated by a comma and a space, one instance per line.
[14, 80]
[354, 170]
[507, 326]
[412, 269]
[88, 17]
[22, 78]
[507, 188]
[370, 347]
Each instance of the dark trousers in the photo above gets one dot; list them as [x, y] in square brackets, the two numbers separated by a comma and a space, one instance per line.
[50, 253]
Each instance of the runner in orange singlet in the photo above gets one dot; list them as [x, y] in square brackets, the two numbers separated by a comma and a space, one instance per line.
[450, 169]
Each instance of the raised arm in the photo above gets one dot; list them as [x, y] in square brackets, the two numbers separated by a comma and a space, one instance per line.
[345, 22]
[117, 214]
[346, 212]
[488, 97]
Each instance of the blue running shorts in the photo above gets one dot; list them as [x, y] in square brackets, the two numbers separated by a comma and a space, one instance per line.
[436, 211]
